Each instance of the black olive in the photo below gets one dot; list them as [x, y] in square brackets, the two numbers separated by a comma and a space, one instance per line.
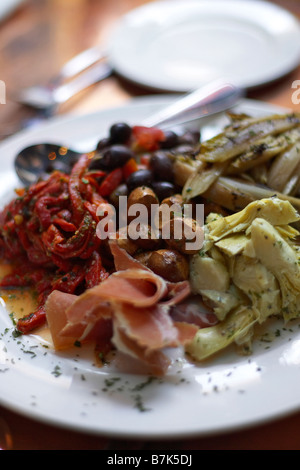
[191, 137]
[171, 140]
[116, 156]
[139, 178]
[121, 190]
[185, 149]
[120, 133]
[162, 167]
[96, 163]
[103, 143]
[163, 189]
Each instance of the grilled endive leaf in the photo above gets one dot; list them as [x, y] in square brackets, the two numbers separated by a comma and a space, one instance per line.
[263, 151]
[245, 144]
[233, 142]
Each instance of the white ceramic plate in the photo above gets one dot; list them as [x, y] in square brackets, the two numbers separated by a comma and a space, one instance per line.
[8, 6]
[180, 45]
[67, 390]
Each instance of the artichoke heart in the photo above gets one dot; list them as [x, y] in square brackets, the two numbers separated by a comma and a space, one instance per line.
[259, 284]
[222, 302]
[274, 210]
[207, 273]
[234, 244]
[249, 271]
[208, 341]
[281, 259]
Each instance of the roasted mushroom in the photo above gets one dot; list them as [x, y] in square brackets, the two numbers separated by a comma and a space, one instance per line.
[169, 264]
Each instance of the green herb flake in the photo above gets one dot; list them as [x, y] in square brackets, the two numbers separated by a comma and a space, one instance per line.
[56, 371]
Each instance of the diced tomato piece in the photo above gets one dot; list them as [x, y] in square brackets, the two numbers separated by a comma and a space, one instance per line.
[145, 160]
[147, 138]
[130, 167]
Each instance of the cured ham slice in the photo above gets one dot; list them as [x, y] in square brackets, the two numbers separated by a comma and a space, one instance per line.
[56, 307]
[64, 334]
[133, 286]
[176, 291]
[130, 309]
[186, 332]
[156, 361]
[151, 328]
[124, 260]
[194, 311]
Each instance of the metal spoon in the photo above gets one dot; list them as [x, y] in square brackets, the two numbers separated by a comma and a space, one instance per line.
[37, 161]
[47, 99]
[76, 74]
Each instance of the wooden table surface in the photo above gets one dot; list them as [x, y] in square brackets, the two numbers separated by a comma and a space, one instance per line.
[35, 41]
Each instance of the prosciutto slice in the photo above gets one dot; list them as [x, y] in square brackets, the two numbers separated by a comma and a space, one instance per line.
[134, 286]
[132, 307]
[176, 292]
[56, 307]
[156, 361]
[122, 259]
[64, 333]
[152, 328]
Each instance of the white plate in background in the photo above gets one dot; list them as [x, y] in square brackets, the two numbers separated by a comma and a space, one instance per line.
[177, 45]
[7, 7]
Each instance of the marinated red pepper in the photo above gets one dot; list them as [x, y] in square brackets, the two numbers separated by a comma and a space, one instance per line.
[50, 229]
[111, 182]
